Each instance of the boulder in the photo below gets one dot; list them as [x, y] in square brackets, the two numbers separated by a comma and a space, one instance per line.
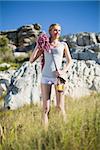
[24, 87]
[93, 39]
[24, 36]
[83, 77]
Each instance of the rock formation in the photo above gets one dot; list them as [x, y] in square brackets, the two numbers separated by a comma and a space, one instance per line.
[84, 46]
[82, 78]
[23, 39]
[24, 86]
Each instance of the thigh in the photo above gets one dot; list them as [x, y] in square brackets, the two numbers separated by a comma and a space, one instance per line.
[59, 97]
[46, 91]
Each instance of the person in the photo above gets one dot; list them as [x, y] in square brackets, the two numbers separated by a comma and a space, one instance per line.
[49, 72]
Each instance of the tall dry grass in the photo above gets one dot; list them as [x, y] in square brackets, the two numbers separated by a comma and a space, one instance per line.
[23, 129]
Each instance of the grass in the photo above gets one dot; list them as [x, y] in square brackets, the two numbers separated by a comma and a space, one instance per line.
[23, 128]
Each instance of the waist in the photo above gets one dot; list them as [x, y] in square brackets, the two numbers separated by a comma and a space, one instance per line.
[48, 80]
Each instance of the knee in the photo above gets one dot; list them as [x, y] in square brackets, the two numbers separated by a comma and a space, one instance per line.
[46, 110]
[58, 108]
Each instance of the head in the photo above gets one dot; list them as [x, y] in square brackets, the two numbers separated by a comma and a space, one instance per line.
[55, 30]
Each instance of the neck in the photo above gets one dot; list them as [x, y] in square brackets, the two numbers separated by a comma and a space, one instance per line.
[52, 39]
[54, 42]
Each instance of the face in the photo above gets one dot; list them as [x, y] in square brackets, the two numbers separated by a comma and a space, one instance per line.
[55, 31]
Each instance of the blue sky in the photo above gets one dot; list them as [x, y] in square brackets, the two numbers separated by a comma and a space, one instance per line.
[73, 16]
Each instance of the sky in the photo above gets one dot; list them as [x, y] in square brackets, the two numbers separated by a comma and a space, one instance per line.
[73, 16]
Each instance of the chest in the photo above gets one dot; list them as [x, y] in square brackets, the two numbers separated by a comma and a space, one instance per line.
[57, 51]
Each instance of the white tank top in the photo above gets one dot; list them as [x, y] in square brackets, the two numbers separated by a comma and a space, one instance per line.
[49, 66]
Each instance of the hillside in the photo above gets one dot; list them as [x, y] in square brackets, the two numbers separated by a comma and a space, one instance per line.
[83, 75]
[23, 128]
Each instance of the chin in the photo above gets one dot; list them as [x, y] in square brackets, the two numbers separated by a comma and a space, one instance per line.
[57, 36]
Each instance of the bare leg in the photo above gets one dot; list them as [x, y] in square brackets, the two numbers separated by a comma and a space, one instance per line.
[60, 103]
[46, 92]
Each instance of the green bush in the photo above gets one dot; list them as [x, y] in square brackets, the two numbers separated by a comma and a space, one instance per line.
[4, 41]
[6, 54]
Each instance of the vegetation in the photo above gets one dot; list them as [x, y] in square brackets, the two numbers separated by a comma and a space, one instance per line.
[23, 128]
[6, 54]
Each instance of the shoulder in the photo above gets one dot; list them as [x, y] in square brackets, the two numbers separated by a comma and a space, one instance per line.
[64, 44]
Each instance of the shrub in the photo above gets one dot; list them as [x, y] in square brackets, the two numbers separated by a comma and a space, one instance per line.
[6, 54]
[3, 41]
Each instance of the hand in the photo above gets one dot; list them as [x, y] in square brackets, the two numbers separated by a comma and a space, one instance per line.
[59, 72]
[30, 64]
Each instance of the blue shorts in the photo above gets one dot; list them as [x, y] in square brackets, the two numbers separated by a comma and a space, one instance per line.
[47, 80]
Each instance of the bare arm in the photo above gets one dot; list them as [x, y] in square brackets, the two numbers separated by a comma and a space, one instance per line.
[68, 58]
[36, 53]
